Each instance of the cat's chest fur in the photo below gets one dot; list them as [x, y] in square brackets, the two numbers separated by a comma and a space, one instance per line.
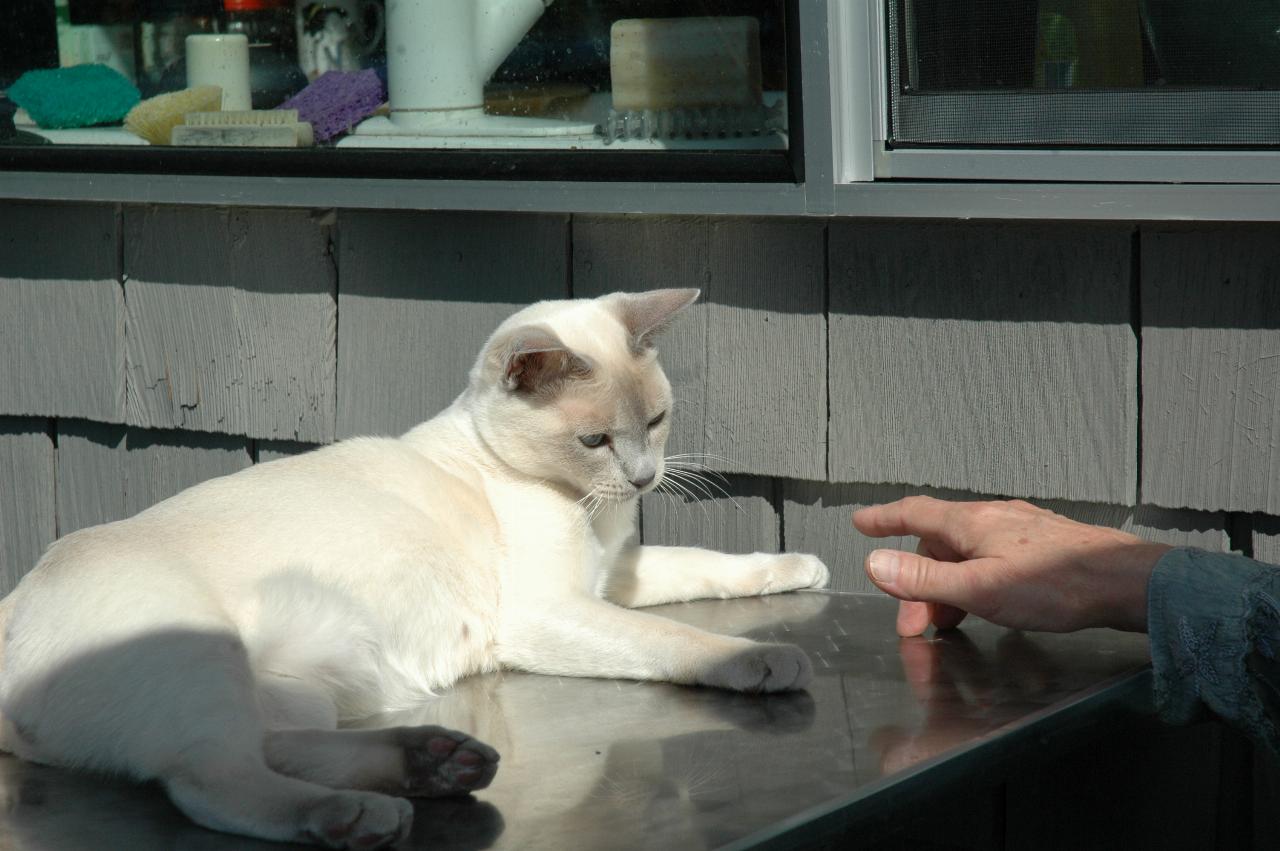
[552, 546]
[609, 534]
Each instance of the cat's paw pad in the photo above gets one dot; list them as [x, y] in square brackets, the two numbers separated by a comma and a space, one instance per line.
[357, 821]
[792, 571]
[438, 761]
[762, 668]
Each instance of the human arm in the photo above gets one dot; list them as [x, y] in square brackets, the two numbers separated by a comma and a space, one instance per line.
[1215, 640]
[1213, 618]
[1010, 563]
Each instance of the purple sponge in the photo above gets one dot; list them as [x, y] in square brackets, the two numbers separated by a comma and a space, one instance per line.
[337, 101]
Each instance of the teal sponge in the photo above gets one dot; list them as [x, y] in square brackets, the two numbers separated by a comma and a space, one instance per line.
[79, 96]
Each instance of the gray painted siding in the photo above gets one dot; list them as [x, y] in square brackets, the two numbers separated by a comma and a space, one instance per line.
[739, 517]
[419, 295]
[1266, 539]
[27, 523]
[107, 473]
[817, 519]
[272, 450]
[159, 464]
[747, 364]
[91, 474]
[234, 332]
[61, 312]
[1211, 368]
[1007, 349]
[994, 358]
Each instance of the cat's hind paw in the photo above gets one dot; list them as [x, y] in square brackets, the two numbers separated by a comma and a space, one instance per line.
[762, 668]
[441, 762]
[360, 821]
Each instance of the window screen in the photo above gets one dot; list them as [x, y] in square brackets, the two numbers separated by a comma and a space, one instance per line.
[1054, 73]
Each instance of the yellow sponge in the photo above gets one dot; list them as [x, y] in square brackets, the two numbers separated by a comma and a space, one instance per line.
[155, 118]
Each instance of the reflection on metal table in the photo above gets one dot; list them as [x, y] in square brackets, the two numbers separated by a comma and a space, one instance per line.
[612, 764]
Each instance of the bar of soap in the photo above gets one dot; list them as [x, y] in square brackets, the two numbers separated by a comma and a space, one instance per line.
[674, 63]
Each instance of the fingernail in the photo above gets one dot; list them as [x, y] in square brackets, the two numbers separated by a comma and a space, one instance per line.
[884, 566]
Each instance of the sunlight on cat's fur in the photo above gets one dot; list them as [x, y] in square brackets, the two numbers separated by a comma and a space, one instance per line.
[215, 641]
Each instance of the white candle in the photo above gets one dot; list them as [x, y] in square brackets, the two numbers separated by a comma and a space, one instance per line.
[221, 60]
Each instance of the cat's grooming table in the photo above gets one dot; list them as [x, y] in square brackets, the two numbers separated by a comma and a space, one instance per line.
[601, 764]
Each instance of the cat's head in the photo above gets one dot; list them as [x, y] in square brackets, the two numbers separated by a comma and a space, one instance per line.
[571, 392]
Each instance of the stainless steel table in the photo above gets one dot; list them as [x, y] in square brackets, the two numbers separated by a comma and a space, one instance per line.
[617, 765]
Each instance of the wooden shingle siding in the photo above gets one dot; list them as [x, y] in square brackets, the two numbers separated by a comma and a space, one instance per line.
[91, 474]
[748, 363]
[27, 523]
[1211, 368]
[107, 473]
[817, 519]
[1266, 539]
[766, 387]
[231, 322]
[419, 295]
[739, 519]
[997, 358]
[159, 464]
[61, 312]
[270, 450]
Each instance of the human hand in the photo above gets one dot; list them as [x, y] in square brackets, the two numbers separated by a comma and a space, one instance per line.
[1010, 563]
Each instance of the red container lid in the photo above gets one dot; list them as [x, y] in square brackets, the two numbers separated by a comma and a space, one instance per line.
[254, 5]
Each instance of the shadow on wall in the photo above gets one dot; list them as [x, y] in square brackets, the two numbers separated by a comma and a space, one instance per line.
[58, 242]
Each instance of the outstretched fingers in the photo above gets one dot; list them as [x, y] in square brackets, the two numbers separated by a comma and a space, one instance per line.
[921, 516]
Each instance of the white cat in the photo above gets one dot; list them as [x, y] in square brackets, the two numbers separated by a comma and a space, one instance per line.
[215, 641]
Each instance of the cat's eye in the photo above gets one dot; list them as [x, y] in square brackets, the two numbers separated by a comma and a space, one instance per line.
[591, 441]
[659, 418]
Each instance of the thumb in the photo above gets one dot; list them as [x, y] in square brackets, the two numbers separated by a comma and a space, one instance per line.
[909, 576]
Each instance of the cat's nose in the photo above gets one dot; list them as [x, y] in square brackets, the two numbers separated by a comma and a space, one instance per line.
[643, 482]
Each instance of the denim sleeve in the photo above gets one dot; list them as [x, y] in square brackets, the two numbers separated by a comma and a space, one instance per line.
[1214, 624]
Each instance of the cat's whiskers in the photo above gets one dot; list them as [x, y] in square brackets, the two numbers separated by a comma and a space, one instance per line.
[679, 489]
[697, 474]
[700, 470]
[590, 504]
[688, 458]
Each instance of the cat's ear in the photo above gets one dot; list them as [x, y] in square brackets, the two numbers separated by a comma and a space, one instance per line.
[531, 357]
[645, 315]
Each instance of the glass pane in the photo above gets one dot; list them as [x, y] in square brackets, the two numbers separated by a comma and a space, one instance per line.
[497, 74]
[1094, 72]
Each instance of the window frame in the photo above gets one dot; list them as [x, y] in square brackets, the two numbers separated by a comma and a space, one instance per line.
[839, 162]
[861, 27]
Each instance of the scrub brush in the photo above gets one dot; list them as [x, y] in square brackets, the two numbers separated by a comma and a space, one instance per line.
[249, 128]
[155, 118]
[79, 96]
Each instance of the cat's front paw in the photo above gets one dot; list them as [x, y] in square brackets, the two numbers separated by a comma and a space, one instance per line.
[793, 571]
[762, 668]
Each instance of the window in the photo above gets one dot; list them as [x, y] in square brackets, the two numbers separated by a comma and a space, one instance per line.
[1060, 73]
[364, 87]
[1081, 91]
